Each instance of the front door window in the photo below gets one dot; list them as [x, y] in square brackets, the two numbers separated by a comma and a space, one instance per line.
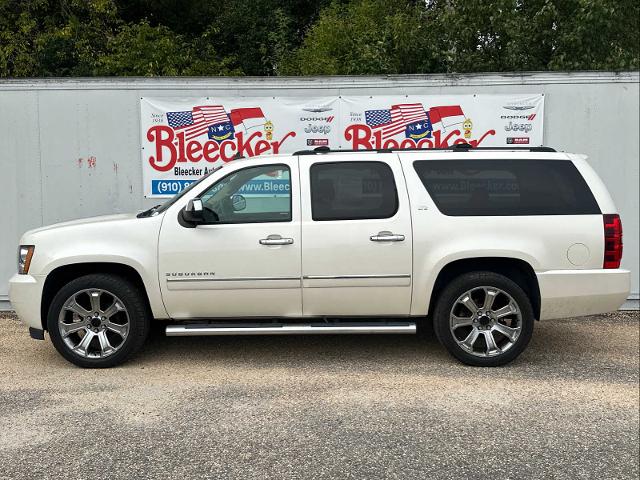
[258, 194]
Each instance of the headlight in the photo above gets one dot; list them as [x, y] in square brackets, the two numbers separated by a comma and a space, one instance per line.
[25, 252]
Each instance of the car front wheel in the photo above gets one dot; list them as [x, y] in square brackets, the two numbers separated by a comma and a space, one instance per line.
[98, 320]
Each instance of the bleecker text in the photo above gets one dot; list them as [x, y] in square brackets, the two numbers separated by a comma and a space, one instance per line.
[171, 148]
[362, 137]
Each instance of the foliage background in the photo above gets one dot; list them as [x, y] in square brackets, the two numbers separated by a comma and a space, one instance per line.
[42, 38]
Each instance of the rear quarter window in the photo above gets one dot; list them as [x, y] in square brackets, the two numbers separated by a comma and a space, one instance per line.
[506, 187]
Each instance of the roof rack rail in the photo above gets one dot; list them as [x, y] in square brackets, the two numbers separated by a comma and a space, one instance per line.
[458, 147]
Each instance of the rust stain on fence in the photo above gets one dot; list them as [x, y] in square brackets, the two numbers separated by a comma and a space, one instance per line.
[91, 161]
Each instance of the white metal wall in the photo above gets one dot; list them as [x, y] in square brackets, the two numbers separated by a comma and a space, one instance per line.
[71, 148]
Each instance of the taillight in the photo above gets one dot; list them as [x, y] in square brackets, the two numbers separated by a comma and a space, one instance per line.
[612, 241]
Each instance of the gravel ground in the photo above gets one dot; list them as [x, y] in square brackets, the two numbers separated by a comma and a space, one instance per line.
[326, 407]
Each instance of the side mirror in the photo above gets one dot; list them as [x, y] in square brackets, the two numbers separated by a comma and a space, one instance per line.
[239, 202]
[194, 211]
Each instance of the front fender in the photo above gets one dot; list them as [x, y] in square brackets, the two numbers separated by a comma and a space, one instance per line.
[129, 241]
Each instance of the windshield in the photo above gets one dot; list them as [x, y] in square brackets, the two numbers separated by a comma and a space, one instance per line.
[164, 206]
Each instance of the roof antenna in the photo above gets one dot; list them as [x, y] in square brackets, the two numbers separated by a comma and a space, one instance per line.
[323, 149]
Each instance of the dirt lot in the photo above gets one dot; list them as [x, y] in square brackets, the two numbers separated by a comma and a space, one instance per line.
[326, 407]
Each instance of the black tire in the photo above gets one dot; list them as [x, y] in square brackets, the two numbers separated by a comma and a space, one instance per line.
[134, 302]
[469, 281]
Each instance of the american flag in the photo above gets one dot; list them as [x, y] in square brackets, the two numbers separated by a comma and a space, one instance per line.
[197, 121]
[395, 120]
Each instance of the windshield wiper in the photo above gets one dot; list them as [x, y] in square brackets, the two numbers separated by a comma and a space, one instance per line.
[148, 212]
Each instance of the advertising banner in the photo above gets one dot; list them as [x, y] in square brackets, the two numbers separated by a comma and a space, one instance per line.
[184, 138]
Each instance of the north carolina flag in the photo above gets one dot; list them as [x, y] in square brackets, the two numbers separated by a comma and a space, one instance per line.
[221, 132]
[247, 117]
[419, 130]
[446, 116]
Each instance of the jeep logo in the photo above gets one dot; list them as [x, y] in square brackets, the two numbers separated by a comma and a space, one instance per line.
[324, 129]
[518, 127]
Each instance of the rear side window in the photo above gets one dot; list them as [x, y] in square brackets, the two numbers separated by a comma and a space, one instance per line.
[352, 191]
[506, 187]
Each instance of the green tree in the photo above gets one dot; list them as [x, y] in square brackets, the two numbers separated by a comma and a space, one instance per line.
[255, 33]
[505, 35]
[142, 50]
[42, 38]
[364, 37]
[597, 35]
[376, 36]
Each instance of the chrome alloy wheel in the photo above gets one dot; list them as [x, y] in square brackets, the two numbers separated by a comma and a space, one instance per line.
[485, 321]
[93, 323]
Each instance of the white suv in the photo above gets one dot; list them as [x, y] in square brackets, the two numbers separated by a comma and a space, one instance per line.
[480, 242]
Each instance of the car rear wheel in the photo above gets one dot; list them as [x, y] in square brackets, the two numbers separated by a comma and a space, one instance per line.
[484, 319]
[98, 320]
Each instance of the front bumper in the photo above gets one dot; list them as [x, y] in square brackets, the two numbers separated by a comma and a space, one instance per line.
[25, 295]
[574, 293]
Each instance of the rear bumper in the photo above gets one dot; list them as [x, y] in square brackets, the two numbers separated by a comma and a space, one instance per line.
[25, 295]
[574, 293]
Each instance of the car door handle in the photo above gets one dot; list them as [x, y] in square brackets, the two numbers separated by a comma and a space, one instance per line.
[276, 240]
[386, 237]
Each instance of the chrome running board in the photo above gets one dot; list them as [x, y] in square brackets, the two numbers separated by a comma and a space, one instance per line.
[336, 328]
